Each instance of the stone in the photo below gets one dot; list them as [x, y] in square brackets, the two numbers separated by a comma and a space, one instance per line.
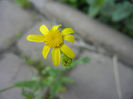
[13, 20]
[95, 79]
[13, 69]
[33, 49]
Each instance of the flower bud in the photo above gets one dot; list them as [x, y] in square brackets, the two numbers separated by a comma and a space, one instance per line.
[66, 61]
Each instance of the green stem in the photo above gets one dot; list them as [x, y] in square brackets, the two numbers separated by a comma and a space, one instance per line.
[3, 90]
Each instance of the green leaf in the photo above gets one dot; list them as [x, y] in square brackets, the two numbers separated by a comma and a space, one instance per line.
[66, 80]
[46, 70]
[81, 61]
[54, 89]
[93, 10]
[95, 6]
[122, 11]
[23, 3]
[129, 23]
[107, 10]
[28, 84]
[73, 1]
[27, 94]
[51, 71]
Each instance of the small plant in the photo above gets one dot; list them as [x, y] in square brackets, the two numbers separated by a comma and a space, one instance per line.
[51, 79]
[23, 3]
[49, 82]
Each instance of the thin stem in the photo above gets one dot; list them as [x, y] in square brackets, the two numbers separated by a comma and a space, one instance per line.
[3, 90]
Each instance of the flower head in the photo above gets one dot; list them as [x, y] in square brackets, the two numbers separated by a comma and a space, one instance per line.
[54, 38]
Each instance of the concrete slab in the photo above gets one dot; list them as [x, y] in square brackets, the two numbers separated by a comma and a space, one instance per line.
[95, 80]
[13, 20]
[13, 69]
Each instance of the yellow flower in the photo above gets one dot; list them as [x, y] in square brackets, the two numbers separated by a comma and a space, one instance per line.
[54, 38]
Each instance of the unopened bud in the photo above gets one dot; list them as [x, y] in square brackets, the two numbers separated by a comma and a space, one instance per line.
[66, 61]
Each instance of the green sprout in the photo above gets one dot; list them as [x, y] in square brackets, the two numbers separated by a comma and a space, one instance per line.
[23, 3]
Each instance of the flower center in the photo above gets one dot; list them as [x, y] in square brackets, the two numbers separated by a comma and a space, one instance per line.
[53, 38]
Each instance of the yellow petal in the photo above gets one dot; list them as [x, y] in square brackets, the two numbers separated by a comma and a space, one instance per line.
[67, 31]
[56, 27]
[56, 56]
[35, 38]
[67, 50]
[69, 38]
[44, 30]
[45, 51]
